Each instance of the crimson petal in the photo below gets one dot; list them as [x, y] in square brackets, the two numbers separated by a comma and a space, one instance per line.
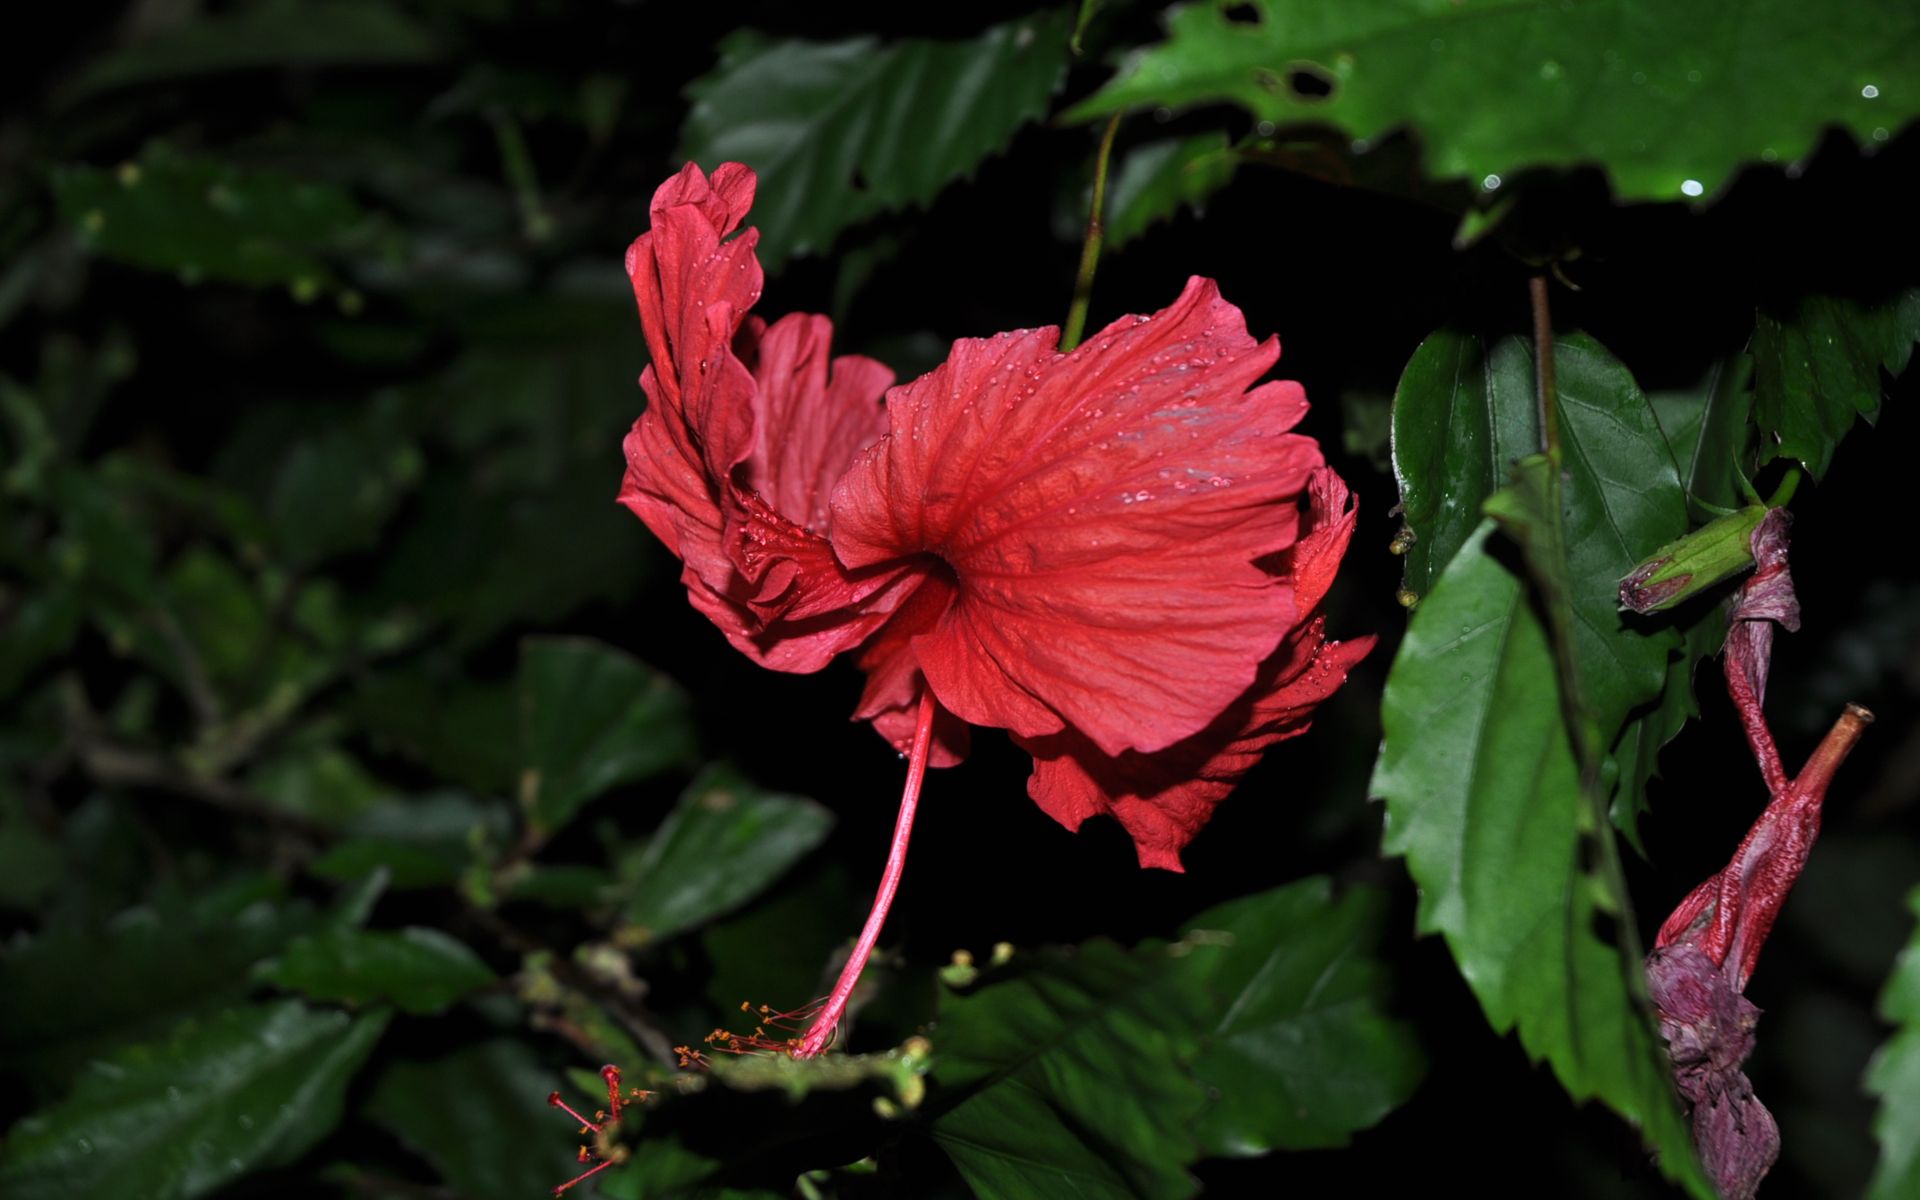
[1100, 514]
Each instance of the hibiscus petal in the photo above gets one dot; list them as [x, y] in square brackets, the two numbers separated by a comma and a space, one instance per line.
[1163, 799]
[734, 405]
[811, 419]
[1101, 513]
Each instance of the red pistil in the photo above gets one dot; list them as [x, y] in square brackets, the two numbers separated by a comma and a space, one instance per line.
[827, 1023]
[598, 1124]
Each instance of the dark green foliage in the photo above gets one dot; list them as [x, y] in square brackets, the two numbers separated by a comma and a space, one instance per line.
[365, 776]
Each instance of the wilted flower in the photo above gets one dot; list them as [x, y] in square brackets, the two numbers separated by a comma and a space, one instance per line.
[1104, 552]
[1708, 948]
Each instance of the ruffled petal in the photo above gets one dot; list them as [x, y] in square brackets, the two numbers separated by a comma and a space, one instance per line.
[1162, 799]
[745, 429]
[1101, 513]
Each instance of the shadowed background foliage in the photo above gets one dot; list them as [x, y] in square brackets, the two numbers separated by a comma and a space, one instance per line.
[365, 775]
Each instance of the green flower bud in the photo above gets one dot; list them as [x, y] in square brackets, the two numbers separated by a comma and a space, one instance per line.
[1690, 565]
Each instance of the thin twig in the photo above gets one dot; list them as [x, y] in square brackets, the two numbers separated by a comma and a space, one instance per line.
[1547, 394]
[1076, 326]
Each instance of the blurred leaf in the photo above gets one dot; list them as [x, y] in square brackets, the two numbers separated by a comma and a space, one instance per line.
[1158, 179]
[1817, 367]
[203, 219]
[1073, 1069]
[1708, 428]
[421, 971]
[31, 864]
[70, 995]
[1484, 802]
[1668, 100]
[723, 843]
[422, 841]
[1894, 1077]
[319, 782]
[780, 946]
[1301, 1052]
[574, 887]
[500, 1141]
[842, 131]
[461, 730]
[592, 719]
[336, 489]
[251, 1088]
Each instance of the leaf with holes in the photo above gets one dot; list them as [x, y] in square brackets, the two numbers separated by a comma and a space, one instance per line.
[1671, 100]
[843, 131]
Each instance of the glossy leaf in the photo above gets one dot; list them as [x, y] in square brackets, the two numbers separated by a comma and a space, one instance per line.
[251, 1088]
[493, 1142]
[723, 843]
[1465, 412]
[843, 131]
[1484, 801]
[592, 719]
[1300, 1051]
[1817, 367]
[1158, 179]
[1894, 1076]
[1461, 415]
[421, 971]
[1073, 1073]
[1670, 101]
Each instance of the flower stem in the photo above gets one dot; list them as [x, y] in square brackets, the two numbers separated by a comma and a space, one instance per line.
[1076, 327]
[820, 1034]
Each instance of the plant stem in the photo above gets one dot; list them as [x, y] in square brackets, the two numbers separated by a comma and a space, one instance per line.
[1547, 391]
[1076, 325]
[820, 1034]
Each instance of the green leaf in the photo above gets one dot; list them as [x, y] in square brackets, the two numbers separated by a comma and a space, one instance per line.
[592, 719]
[723, 843]
[1301, 1051]
[1076, 1072]
[1670, 100]
[1634, 760]
[70, 995]
[1460, 416]
[1158, 179]
[1817, 367]
[423, 841]
[203, 219]
[421, 971]
[275, 34]
[1484, 802]
[844, 131]
[501, 1141]
[1465, 411]
[1075, 1080]
[251, 1088]
[1709, 430]
[1894, 1076]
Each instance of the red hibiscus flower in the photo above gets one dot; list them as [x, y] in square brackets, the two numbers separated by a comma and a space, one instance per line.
[1117, 554]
